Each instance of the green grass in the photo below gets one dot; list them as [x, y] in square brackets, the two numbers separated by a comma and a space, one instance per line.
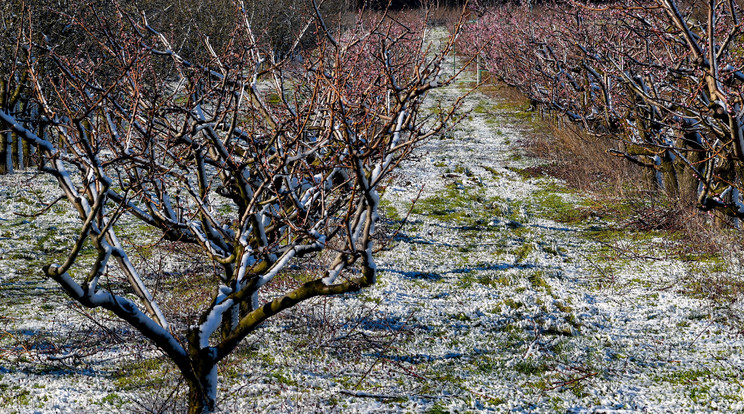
[558, 207]
[537, 280]
[281, 378]
[389, 211]
[523, 251]
[144, 373]
[532, 367]
[511, 303]
[494, 172]
[438, 409]
[527, 173]
[464, 205]
[113, 399]
[685, 376]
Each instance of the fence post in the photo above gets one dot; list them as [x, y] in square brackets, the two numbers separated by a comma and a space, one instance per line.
[454, 59]
[478, 74]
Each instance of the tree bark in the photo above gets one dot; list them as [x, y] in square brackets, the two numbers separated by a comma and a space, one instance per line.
[20, 164]
[8, 152]
[669, 178]
[3, 152]
[202, 382]
[27, 152]
[201, 400]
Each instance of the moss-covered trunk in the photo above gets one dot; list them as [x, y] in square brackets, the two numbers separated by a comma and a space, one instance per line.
[669, 177]
[3, 152]
[200, 401]
[200, 374]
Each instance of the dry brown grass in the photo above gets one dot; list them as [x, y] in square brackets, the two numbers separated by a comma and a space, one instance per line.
[627, 192]
[582, 162]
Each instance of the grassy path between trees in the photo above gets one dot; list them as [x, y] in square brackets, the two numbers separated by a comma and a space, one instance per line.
[517, 298]
[502, 293]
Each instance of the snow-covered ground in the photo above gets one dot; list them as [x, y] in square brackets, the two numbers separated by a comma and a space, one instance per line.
[484, 304]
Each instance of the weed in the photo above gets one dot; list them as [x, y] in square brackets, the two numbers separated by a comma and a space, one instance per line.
[389, 211]
[531, 367]
[113, 399]
[283, 379]
[537, 280]
[141, 374]
[523, 251]
[437, 409]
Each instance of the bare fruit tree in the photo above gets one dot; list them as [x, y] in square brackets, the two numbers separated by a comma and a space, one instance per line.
[256, 161]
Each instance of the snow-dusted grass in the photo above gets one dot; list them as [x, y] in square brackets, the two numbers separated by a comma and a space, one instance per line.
[500, 294]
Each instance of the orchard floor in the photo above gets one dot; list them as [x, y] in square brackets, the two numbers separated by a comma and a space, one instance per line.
[486, 302]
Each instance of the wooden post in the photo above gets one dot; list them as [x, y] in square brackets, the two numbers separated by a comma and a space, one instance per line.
[454, 58]
[478, 75]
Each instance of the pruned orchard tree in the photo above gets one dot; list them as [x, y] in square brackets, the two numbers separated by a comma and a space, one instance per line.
[255, 160]
[662, 76]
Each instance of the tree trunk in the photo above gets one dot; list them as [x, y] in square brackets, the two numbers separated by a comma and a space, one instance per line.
[200, 374]
[27, 152]
[8, 151]
[687, 180]
[649, 179]
[723, 219]
[3, 149]
[203, 392]
[20, 160]
[669, 178]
